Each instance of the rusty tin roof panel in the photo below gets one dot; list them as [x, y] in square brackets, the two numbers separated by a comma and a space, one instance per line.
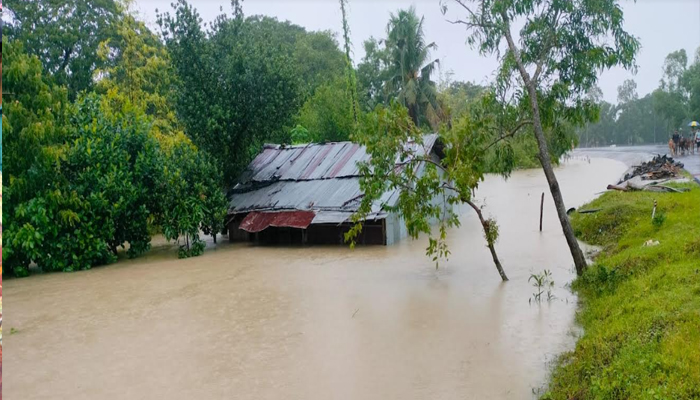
[258, 221]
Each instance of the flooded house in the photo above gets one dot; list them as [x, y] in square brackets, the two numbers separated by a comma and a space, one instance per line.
[307, 194]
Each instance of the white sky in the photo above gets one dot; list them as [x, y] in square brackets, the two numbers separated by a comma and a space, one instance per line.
[662, 26]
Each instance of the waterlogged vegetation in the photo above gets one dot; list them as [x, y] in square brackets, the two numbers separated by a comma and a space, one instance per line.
[90, 176]
[170, 117]
[539, 92]
[640, 305]
[543, 284]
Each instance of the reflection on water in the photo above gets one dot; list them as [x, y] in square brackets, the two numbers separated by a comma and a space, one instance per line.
[253, 322]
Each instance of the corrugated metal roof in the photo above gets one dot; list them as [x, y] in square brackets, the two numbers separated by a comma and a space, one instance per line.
[320, 177]
[314, 161]
[331, 217]
[338, 217]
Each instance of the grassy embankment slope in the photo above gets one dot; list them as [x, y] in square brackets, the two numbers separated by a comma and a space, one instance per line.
[640, 306]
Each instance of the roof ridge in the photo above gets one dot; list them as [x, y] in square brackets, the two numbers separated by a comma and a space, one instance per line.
[275, 146]
[282, 146]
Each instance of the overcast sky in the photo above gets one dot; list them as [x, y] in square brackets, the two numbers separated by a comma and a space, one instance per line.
[662, 26]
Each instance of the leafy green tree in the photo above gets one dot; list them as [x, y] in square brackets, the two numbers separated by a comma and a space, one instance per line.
[632, 121]
[671, 106]
[600, 132]
[637, 123]
[235, 90]
[64, 35]
[456, 97]
[372, 74]
[116, 164]
[316, 57]
[350, 70]
[33, 120]
[400, 68]
[301, 135]
[671, 98]
[97, 196]
[90, 177]
[674, 67]
[136, 69]
[192, 199]
[594, 95]
[215, 202]
[34, 124]
[627, 92]
[429, 188]
[556, 57]
[58, 231]
[691, 81]
[410, 67]
[319, 60]
[628, 114]
[327, 114]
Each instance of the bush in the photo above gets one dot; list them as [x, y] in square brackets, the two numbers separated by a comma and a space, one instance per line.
[101, 197]
[88, 178]
[116, 165]
[58, 231]
[192, 199]
[658, 219]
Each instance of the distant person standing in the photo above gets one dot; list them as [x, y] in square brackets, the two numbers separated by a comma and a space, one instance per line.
[676, 138]
[672, 147]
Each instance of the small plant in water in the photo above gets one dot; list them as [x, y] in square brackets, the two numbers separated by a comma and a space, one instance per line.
[543, 284]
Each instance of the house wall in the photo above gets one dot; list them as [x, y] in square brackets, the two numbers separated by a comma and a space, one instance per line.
[373, 233]
[396, 226]
[235, 234]
[395, 229]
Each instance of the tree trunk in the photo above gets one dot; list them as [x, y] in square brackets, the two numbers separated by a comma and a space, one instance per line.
[413, 113]
[501, 272]
[66, 58]
[492, 249]
[576, 253]
[530, 85]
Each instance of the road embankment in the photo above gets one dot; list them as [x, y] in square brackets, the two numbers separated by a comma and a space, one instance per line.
[640, 301]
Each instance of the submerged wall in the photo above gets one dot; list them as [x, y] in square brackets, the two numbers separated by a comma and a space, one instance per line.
[373, 233]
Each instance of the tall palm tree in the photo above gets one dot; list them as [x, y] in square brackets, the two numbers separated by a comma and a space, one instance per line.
[410, 67]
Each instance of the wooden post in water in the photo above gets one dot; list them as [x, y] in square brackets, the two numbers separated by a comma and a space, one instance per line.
[541, 210]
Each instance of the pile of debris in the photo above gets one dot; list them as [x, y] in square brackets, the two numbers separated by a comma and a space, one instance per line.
[650, 175]
[660, 167]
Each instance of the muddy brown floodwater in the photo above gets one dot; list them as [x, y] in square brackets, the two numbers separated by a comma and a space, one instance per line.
[251, 322]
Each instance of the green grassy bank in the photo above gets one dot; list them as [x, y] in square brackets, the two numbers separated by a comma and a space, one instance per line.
[639, 306]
